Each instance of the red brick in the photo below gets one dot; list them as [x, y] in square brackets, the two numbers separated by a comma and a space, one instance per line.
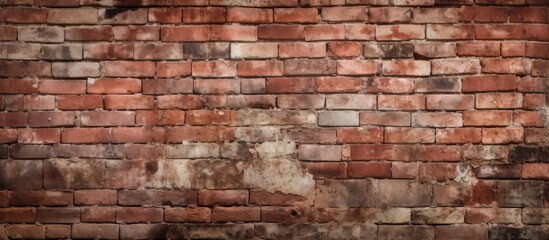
[338, 84]
[137, 214]
[489, 83]
[539, 68]
[390, 85]
[127, 16]
[327, 169]
[137, 33]
[108, 51]
[297, 49]
[401, 102]
[254, 50]
[98, 214]
[359, 32]
[536, 135]
[389, 15]
[438, 171]
[236, 214]
[502, 135]
[129, 69]
[409, 135]
[296, 15]
[435, 15]
[223, 197]
[281, 32]
[260, 197]
[82, 102]
[249, 15]
[43, 34]
[95, 197]
[385, 118]
[535, 171]
[8, 135]
[216, 86]
[309, 67]
[18, 86]
[343, 14]
[160, 117]
[26, 231]
[529, 119]
[498, 100]
[18, 215]
[406, 68]
[344, 49]
[233, 33]
[358, 67]
[529, 15]
[437, 119]
[72, 16]
[51, 119]
[404, 170]
[179, 102]
[204, 15]
[41, 198]
[75, 69]
[30, 102]
[58, 231]
[192, 215]
[157, 197]
[165, 51]
[399, 32]
[483, 14]
[203, 134]
[478, 49]
[458, 135]
[85, 135]
[106, 231]
[129, 102]
[534, 101]
[482, 194]
[209, 117]
[513, 49]
[165, 15]
[537, 50]
[450, 102]
[9, 33]
[173, 69]
[58, 215]
[184, 33]
[62, 87]
[138, 135]
[369, 170]
[26, 15]
[214, 69]
[434, 50]
[487, 118]
[453, 32]
[13, 119]
[260, 68]
[324, 32]
[513, 66]
[114, 85]
[290, 85]
[281, 214]
[24, 69]
[95, 33]
[110, 118]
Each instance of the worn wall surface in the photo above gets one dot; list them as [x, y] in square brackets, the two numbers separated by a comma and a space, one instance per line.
[274, 119]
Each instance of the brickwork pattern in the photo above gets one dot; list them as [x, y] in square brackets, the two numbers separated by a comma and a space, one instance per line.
[274, 119]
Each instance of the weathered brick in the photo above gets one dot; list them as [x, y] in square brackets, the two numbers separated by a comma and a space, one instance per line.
[296, 15]
[165, 15]
[95, 33]
[72, 16]
[357, 67]
[123, 16]
[324, 32]
[389, 15]
[343, 14]
[233, 33]
[399, 32]
[406, 68]
[129, 69]
[136, 33]
[41, 34]
[249, 15]
[75, 69]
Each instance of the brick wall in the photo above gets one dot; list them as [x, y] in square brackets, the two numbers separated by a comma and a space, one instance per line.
[274, 119]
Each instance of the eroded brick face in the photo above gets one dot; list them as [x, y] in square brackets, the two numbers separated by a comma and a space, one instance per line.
[274, 119]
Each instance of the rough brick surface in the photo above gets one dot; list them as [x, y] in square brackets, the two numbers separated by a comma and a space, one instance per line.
[274, 119]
